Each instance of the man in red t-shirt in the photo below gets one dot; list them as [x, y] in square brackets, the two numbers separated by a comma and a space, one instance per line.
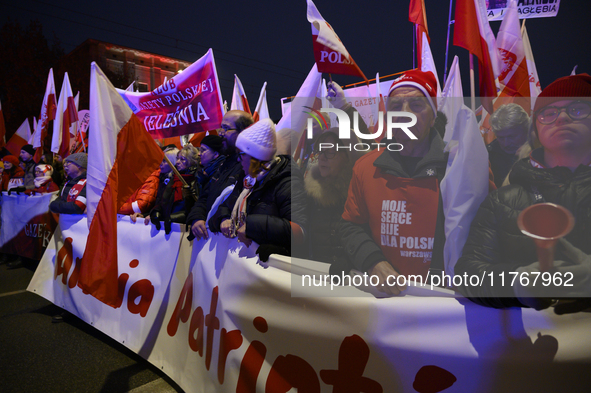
[393, 221]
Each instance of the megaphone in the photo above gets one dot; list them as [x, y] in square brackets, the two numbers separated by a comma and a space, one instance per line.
[545, 223]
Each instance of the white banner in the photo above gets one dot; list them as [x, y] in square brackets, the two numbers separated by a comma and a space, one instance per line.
[496, 9]
[220, 322]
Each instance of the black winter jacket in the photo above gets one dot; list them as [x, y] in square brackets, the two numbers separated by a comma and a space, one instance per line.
[495, 244]
[272, 206]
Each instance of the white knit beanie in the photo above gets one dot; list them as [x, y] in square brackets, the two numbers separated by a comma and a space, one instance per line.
[259, 140]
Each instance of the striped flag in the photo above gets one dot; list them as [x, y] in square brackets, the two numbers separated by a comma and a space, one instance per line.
[239, 101]
[19, 139]
[262, 110]
[48, 111]
[418, 16]
[472, 32]
[121, 156]
[66, 116]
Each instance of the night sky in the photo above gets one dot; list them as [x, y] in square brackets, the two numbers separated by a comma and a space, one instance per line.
[271, 40]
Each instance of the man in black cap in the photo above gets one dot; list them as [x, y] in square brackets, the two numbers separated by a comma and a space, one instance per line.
[28, 164]
[72, 197]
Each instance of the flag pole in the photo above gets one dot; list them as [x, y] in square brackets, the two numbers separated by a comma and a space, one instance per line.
[449, 23]
[472, 87]
[177, 173]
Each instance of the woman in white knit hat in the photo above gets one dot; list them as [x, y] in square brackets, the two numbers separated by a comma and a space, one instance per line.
[262, 207]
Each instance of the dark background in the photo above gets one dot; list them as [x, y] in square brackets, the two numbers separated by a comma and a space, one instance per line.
[271, 40]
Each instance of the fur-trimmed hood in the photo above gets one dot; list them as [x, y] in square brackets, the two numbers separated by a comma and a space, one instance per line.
[328, 191]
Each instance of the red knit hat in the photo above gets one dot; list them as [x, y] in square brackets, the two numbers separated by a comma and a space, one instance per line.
[565, 87]
[12, 159]
[424, 81]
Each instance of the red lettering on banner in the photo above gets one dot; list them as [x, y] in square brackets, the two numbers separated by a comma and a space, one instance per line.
[228, 342]
[213, 323]
[63, 264]
[253, 359]
[290, 372]
[197, 320]
[348, 378]
[182, 311]
[144, 290]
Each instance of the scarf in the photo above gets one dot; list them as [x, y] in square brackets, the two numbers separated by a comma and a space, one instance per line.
[41, 180]
[238, 217]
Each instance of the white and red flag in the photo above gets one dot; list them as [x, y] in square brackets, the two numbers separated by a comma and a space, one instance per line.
[535, 88]
[514, 77]
[472, 32]
[2, 129]
[262, 109]
[239, 101]
[35, 124]
[121, 156]
[418, 16]
[452, 98]
[428, 63]
[48, 111]
[329, 52]
[66, 116]
[19, 139]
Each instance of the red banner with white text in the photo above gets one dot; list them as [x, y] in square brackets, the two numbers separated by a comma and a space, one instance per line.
[188, 103]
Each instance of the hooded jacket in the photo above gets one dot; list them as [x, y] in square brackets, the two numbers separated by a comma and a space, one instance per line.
[496, 245]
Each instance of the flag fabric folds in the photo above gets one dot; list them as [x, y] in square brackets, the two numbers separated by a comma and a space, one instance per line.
[418, 16]
[48, 111]
[262, 109]
[452, 98]
[121, 156]
[239, 101]
[329, 52]
[19, 139]
[472, 32]
[535, 88]
[467, 165]
[427, 61]
[66, 116]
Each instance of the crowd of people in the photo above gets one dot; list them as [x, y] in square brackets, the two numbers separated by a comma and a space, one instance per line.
[379, 211]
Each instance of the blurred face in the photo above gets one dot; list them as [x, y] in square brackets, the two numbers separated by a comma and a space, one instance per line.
[25, 156]
[207, 155]
[564, 132]
[228, 130]
[331, 162]
[245, 161]
[164, 167]
[38, 172]
[182, 162]
[411, 99]
[72, 170]
[511, 139]
[7, 165]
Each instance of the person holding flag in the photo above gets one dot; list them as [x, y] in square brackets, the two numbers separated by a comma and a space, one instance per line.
[72, 197]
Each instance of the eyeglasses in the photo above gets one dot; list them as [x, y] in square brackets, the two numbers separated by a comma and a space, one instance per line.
[416, 104]
[330, 154]
[225, 129]
[577, 110]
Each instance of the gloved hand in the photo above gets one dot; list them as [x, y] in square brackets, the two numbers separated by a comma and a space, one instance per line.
[167, 225]
[18, 190]
[265, 250]
[336, 95]
[569, 279]
[155, 217]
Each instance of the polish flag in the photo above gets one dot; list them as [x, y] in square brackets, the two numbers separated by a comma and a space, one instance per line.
[121, 156]
[417, 15]
[19, 139]
[48, 111]
[452, 98]
[67, 115]
[2, 129]
[329, 52]
[239, 101]
[262, 110]
[514, 78]
[35, 123]
[472, 32]
[427, 61]
[535, 87]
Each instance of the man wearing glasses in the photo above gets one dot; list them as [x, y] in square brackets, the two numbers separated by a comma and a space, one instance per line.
[233, 123]
[72, 197]
[393, 222]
